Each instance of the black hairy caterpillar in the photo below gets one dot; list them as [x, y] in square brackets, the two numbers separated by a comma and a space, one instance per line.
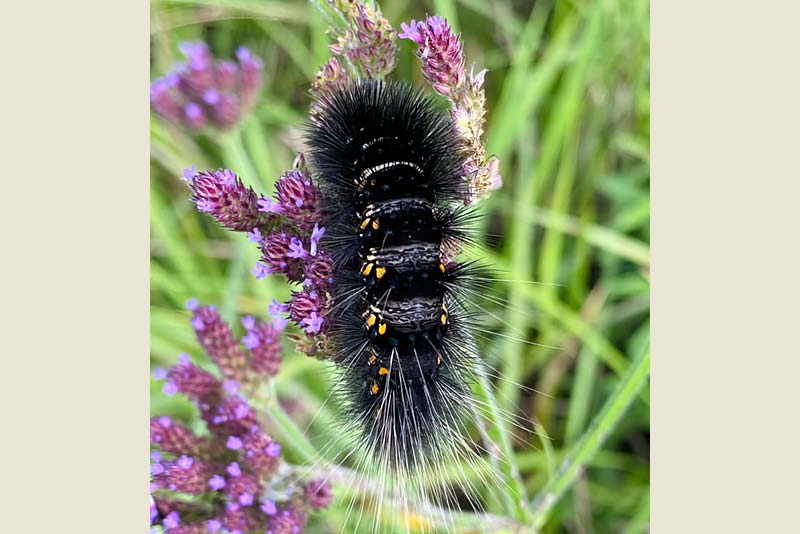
[389, 165]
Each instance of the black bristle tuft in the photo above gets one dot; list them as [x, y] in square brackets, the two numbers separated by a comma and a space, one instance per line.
[389, 164]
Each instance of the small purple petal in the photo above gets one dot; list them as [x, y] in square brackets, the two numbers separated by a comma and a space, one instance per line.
[197, 324]
[159, 373]
[261, 270]
[231, 386]
[234, 443]
[185, 462]
[316, 235]
[273, 450]
[211, 97]
[248, 322]
[155, 456]
[234, 470]
[255, 236]
[280, 323]
[251, 340]
[246, 499]
[214, 525]
[276, 308]
[268, 507]
[241, 411]
[153, 510]
[189, 174]
[165, 421]
[216, 482]
[156, 469]
[184, 359]
[172, 520]
[296, 249]
[266, 205]
[169, 388]
[192, 304]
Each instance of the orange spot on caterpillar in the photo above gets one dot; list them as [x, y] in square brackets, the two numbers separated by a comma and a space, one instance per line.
[375, 224]
[379, 272]
[371, 320]
[444, 318]
[375, 389]
[373, 359]
[441, 267]
[382, 328]
[383, 371]
[365, 223]
[367, 269]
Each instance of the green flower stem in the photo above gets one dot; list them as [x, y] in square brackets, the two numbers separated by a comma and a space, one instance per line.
[584, 450]
[293, 437]
[514, 495]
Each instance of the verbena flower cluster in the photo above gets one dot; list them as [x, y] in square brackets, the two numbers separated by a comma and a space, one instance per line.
[232, 479]
[443, 65]
[203, 91]
[287, 231]
[365, 45]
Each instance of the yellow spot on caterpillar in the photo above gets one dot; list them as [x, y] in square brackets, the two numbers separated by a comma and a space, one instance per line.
[441, 267]
[379, 272]
[371, 320]
[367, 269]
[375, 389]
[372, 359]
[382, 328]
[383, 371]
[375, 224]
[444, 318]
[365, 223]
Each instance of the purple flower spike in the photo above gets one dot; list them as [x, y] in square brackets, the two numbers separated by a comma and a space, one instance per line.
[440, 51]
[224, 197]
[205, 91]
[216, 482]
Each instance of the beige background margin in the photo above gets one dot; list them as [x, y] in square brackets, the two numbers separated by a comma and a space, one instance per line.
[725, 276]
[74, 94]
[725, 183]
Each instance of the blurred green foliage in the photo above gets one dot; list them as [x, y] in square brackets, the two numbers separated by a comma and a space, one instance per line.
[568, 115]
